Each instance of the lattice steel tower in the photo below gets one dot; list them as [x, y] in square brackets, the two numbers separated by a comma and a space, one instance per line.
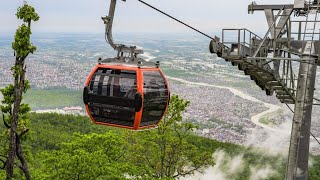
[292, 38]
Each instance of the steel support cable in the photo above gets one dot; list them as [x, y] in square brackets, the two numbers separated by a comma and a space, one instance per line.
[166, 14]
[310, 131]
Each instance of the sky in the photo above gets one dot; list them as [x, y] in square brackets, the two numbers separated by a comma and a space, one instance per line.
[84, 16]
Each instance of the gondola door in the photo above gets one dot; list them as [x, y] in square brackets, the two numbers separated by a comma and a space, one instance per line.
[112, 97]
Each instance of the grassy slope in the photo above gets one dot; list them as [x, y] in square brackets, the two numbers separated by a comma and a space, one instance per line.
[58, 98]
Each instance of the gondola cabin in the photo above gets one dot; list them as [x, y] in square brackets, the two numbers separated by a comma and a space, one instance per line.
[126, 97]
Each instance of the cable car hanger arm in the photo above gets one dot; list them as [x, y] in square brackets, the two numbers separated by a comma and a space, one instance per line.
[108, 21]
[215, 45]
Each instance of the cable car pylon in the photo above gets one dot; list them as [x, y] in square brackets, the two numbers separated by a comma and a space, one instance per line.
[269, 61]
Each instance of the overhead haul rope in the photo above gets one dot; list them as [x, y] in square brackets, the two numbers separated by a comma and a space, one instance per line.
[310, 131]
[176, 19]
[204, 35]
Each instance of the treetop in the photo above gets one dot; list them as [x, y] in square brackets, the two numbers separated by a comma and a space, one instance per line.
[27, 13]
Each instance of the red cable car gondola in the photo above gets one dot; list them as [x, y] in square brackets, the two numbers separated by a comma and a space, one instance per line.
[126, 97]
[125, 91]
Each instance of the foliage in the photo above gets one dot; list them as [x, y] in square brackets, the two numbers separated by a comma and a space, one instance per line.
[166, 150]
[49, 130]
[93, 156]
[22, 45]
[15, 114]
[314, 172]
[27, 13]
[7, 104]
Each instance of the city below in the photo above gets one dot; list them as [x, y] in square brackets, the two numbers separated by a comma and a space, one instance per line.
[225, 104]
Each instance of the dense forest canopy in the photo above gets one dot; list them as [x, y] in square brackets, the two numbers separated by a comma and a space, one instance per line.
[71, 147]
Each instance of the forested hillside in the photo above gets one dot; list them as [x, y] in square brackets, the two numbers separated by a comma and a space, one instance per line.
[72, 147]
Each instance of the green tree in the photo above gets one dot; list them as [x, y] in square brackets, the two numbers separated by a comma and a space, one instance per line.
[93, 156]
[314, 171]
[166, 151]
[15, 113]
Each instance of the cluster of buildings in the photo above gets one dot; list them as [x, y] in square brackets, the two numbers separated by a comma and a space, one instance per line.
[220, 114]
[66, 110]
[49, 71]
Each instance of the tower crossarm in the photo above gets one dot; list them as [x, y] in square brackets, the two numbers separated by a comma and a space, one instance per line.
[240, 52]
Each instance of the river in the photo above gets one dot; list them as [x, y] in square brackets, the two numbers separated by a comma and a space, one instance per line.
[255, 119]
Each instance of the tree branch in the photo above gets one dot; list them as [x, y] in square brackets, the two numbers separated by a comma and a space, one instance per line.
[19, 166]
[120, 156]
[22, 158]
[4, 122]
[4, 164]
[148, 161]
[183, 174]
[23, 133]
[3, 161]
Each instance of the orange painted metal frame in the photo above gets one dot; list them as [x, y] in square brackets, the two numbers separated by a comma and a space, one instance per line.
[166, 81]
[140, 80]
